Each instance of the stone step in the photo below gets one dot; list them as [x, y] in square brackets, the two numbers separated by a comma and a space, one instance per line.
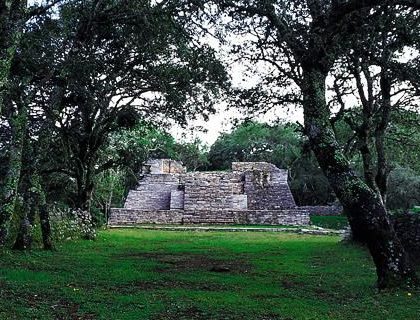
[297, 216]
[159, 178]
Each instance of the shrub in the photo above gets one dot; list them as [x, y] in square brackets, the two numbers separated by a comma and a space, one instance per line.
[68, 224]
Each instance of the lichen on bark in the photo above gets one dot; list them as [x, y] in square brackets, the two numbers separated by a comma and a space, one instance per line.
[9, 192]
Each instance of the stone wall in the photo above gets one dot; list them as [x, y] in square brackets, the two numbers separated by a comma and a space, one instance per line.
[334, 210]
[294, 217]
[163, 166]
[177, 199]
[148, 200]
[261, 166]
[211, 190]
[239, 202]
[268, 190]
[252, 217]
[121, 217]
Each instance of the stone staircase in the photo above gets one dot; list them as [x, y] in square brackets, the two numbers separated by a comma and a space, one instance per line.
[153, 192]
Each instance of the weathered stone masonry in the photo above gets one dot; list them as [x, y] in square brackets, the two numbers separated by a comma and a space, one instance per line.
[252, 193]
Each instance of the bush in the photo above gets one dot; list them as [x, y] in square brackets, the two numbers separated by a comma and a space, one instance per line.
[68, 224]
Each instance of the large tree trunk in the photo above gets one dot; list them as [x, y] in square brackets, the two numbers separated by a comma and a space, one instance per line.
[9, 193]
[12, 14]
[83, 203]
[366, 213]
[36, 203]
[45, 227]
[367, 159]
[7, 50]
[84, 191]
[41, 203]
[11, 26]
[24, 236]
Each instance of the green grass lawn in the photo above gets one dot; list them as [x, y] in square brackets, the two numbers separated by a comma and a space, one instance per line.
[330, 222]
[141, 274]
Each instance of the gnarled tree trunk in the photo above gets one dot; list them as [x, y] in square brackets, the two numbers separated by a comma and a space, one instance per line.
[24, 236]
[12, 20]
[366, 212]
[9, 193]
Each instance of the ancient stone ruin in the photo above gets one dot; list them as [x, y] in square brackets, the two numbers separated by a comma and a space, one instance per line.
[251, 193]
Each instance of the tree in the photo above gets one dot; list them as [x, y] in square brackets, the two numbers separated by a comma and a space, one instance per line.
[302, 40]
[193, 155]
[403, 140]
[17, 115]
[90, 69]
[131, 148]
[14, 16]
[373, 73]
[404, 189]
[253, 141]
[112, 64]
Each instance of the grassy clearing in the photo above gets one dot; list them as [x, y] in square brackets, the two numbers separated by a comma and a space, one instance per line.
[330, 222]
[140, 274]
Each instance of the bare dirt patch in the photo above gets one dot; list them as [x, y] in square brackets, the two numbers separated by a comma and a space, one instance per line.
[184, 262]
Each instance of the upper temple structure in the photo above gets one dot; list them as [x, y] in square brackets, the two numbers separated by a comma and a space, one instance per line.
[251, 193]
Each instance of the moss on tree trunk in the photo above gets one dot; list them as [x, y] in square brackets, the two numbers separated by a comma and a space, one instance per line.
[8, 195]
[12, 19]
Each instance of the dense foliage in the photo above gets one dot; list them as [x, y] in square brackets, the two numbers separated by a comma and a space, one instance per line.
[81, 72]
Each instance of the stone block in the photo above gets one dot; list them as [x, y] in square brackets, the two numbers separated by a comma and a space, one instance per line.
[239, 202]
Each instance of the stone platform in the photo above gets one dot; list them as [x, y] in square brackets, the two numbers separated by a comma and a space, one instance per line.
[252, 193]
[124, 217]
